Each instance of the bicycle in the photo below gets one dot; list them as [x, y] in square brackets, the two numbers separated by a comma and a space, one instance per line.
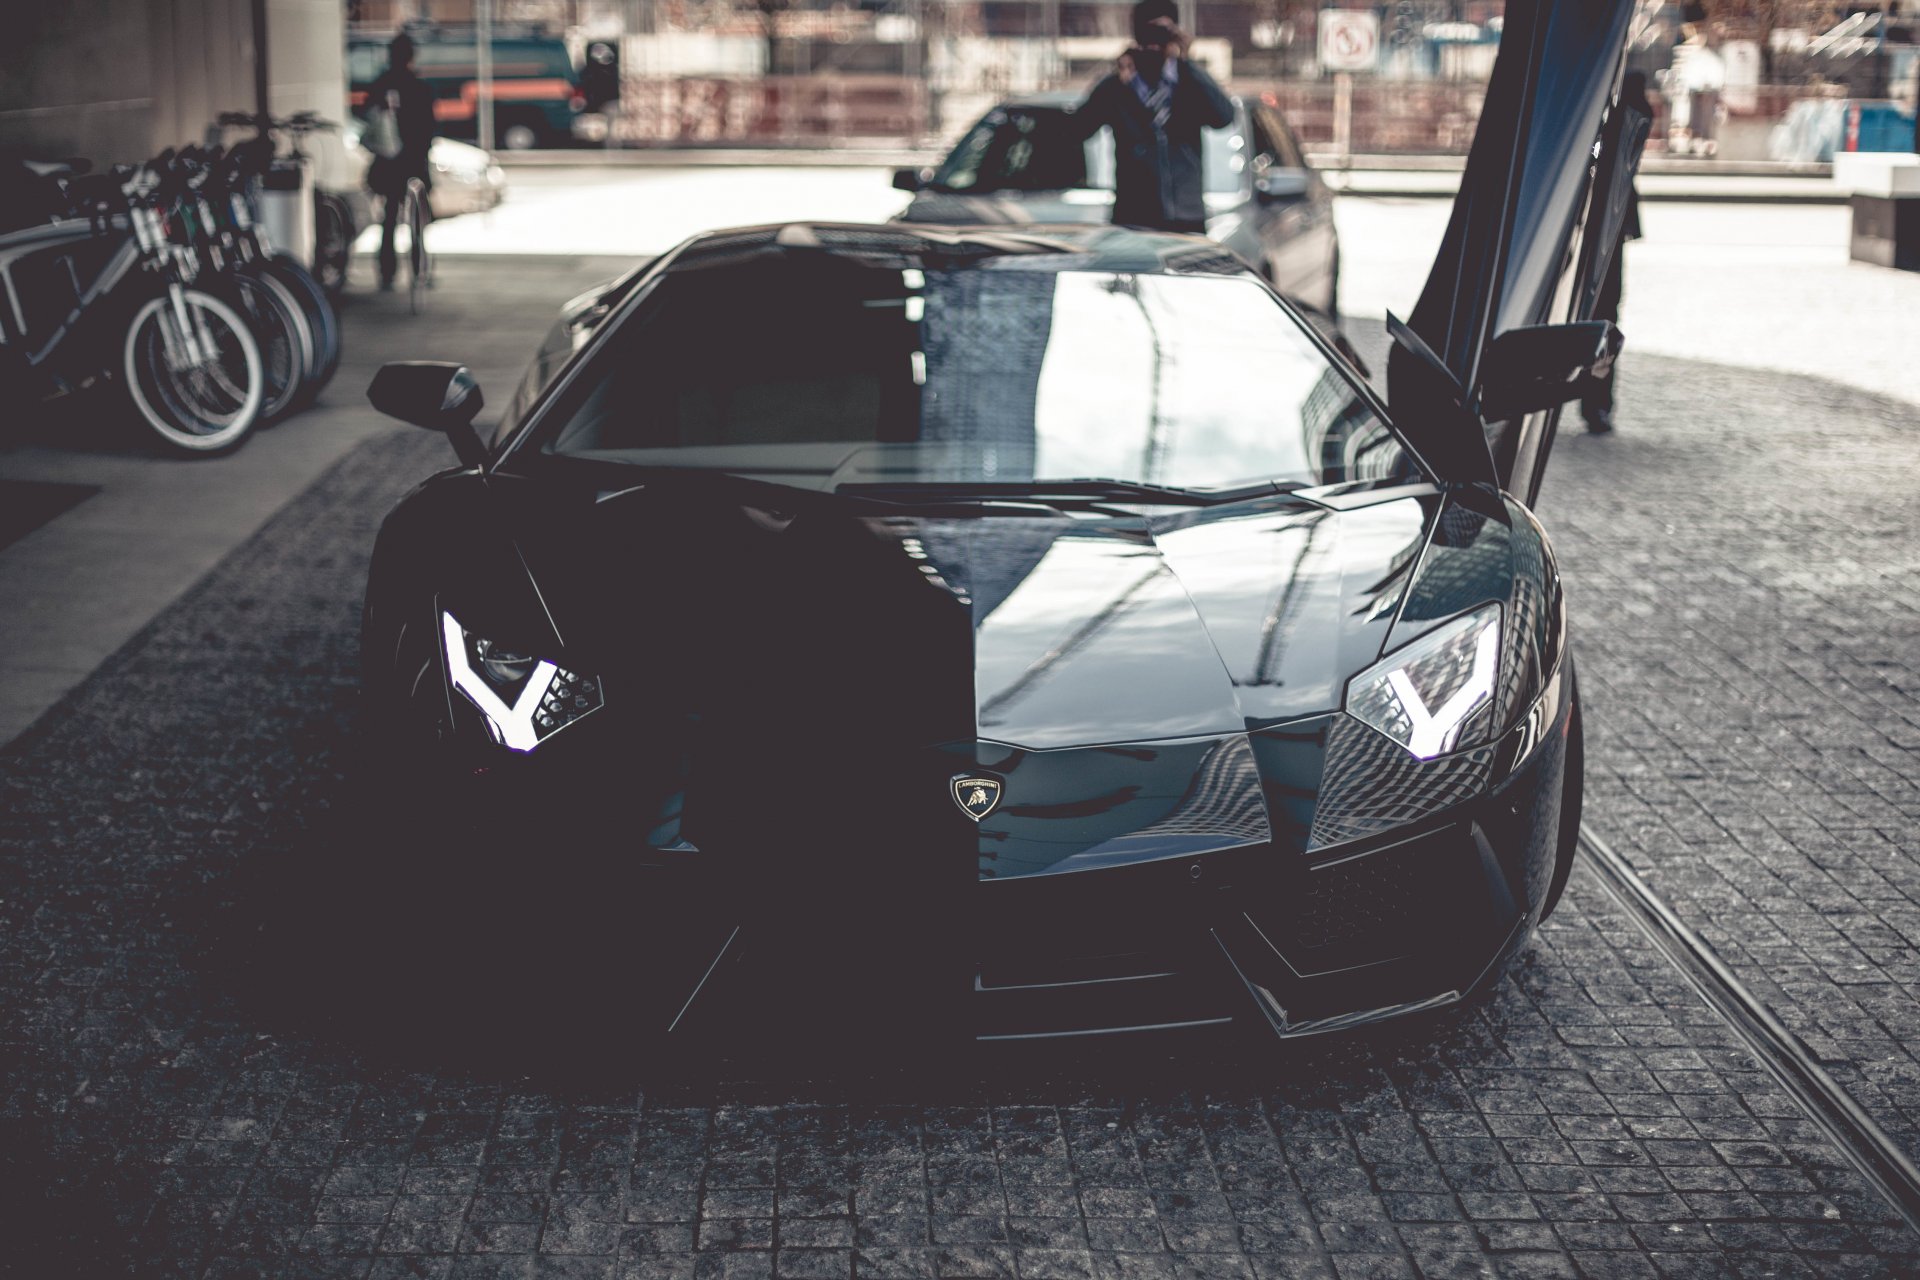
[332, 216]
[331, 253]
[101, 289]
[247, 162]
[415, 214]
[332, 249]
[214, 217]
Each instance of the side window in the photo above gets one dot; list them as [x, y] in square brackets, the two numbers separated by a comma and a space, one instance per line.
[1286, 148]
[365, 62]
[1264, 154]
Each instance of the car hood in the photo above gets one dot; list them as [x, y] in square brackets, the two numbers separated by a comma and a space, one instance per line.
[1054, 629]
[1112, 672]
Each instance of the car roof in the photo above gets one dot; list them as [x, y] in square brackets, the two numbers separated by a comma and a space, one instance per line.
[1074, 247]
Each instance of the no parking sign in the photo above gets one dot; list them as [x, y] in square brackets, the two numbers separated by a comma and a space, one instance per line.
[1349, 39]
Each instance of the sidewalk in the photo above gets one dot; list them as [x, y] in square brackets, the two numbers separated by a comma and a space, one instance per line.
[77, 587]
[1662, 177]
[1653, 184]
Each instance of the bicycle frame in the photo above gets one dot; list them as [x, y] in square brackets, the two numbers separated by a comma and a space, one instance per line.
[104, 304]
[40, 350]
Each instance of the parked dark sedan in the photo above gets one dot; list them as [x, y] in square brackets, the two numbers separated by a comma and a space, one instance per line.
[1038, 632]
[1023, 162]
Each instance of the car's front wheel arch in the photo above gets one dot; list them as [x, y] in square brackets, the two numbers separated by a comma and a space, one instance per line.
[1572, 795]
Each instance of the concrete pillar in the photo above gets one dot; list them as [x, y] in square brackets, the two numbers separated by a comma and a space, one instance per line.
[117, 80]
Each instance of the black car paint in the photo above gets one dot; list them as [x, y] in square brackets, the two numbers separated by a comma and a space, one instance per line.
[1517, 250]
[790, 694]
[1192, 830]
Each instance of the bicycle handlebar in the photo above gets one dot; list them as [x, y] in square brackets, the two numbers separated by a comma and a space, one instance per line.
[307, 122]
[298, 122]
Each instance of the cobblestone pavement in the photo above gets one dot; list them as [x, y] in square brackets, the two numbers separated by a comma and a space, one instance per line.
[163, 1112]
[1741, 559]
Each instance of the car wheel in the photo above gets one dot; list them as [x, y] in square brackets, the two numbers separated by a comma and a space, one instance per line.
[519, 137]
[403, 712]
[1572, 792]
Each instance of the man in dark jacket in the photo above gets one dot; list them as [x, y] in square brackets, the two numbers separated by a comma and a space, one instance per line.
[410, 99]
[1157, 102]
[1596, 406]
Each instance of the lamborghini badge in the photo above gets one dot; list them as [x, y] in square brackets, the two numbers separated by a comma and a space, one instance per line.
[977, 797]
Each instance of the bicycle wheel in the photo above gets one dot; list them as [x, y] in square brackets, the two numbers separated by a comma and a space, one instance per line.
[204, 405]
[332, 242]
[322, 319]
[419, 265]
[287, 348]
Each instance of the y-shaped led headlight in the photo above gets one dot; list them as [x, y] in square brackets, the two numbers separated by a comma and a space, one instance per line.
[524, 700]
[1423, 695]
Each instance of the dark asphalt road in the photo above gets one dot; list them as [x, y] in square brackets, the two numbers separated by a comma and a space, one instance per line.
[180, 1096]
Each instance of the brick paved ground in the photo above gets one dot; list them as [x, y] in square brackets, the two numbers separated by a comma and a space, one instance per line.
[164, 1114]
[1742, 560]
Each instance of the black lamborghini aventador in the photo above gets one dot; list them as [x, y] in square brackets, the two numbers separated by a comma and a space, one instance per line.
[1047, 629]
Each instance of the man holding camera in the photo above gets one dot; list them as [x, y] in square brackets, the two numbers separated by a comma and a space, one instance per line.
[1157, 102]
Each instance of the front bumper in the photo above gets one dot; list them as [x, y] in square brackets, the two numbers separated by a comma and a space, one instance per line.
[1407, 922]
[1333, 921]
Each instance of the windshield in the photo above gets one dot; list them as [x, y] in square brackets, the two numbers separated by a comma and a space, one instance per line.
[818, 371]
[1037, 149]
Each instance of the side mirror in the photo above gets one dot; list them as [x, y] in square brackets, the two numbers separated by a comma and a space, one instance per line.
[435, 394]
[1282, 184]
[1543, 366]
[909, 179]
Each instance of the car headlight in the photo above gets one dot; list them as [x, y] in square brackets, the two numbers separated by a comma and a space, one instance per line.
[1425, 695]
[524, 700]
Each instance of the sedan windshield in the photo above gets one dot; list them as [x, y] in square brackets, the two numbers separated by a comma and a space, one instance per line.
[827, 373]
[1039, 149]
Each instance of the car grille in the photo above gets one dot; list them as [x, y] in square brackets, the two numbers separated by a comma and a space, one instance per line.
[1368, 899]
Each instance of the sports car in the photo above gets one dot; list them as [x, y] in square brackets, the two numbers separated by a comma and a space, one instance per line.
[1043, 630]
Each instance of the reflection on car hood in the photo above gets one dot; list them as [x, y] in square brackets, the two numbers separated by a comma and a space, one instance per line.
[804, 688]
[1036, 629]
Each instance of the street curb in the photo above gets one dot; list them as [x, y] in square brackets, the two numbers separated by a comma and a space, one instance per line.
[1698, 182]
[719, 158]
[1695, 196]
[913, 157]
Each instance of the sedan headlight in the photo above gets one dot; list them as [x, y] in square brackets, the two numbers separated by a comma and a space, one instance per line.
[1425, 694]
[524, 700]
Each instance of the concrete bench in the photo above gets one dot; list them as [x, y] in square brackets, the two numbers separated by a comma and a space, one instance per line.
[1884, 190]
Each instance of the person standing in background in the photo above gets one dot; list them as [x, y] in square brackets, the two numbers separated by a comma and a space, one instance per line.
[1596, 406]
[1698, 77]
[1156, 102]
[408, 100]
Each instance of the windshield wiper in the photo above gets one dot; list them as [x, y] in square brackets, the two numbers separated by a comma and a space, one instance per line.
[1043, 490]
[609, 475]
